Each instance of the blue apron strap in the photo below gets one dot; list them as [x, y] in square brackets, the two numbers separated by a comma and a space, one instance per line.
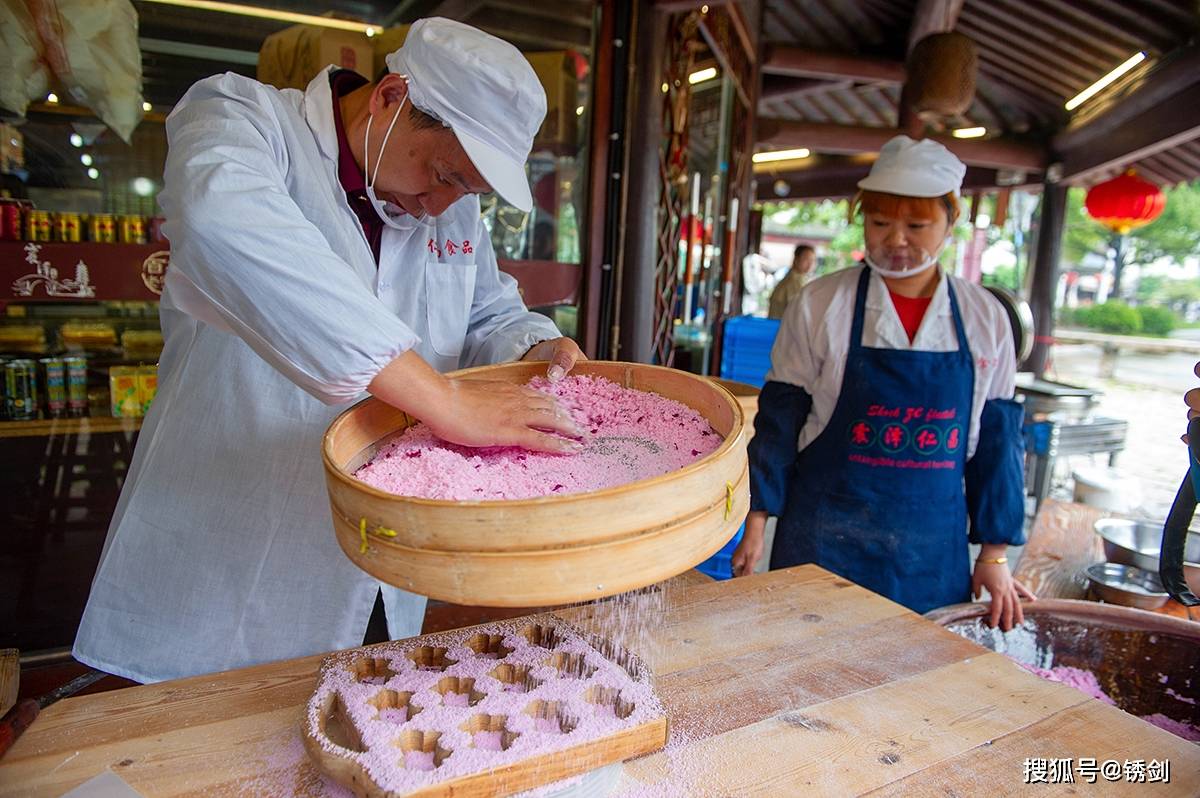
[860, 305]
[959, 329]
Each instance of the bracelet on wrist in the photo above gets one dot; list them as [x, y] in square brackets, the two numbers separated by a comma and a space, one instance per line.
[992, 560]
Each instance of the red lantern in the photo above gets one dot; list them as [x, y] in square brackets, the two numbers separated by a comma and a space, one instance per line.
[1125, 202]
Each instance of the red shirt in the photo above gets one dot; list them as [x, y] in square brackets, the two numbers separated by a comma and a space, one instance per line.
[910, 310]
[342, 82]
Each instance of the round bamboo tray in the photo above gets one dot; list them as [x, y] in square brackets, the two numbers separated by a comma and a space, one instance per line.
[552, 549]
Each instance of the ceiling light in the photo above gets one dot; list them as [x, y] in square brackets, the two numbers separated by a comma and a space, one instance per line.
[93, 173]
[52, 98]
[147, 107]
[270, 13]
[76, 140]
[665, 87]
[1083, 96]
[780, 155]
[86, 159]
[701, 75]
[142, 186]
[579, 111]
[969, 132]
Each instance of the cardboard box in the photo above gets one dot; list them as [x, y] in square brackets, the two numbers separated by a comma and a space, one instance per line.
[291, 58]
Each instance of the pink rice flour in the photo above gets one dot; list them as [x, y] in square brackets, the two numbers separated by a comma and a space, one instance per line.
[629, 435]
[459, 751]
[1085, 681]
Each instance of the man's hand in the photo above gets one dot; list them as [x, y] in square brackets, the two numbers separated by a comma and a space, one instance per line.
[476, 412]
[563, 354]
[750, 550]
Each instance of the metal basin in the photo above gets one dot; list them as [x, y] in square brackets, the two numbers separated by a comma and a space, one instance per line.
[1145, 661]
[1137, 543]
[1127, 585]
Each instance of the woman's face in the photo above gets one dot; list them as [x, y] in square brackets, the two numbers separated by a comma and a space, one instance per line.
[905, 239]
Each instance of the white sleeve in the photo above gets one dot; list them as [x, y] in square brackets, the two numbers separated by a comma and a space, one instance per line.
[501, 327]
[792, 358]
[1004, 372]
[244, 255]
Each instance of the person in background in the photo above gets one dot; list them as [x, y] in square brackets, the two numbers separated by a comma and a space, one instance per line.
[888, 418]
[1192, 398]
[804, 263]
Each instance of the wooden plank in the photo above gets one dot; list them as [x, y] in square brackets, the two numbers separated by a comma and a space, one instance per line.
[850, 139]
[802, 62]
[1068, 734]
[45, 428]
[1060, 546]
[825, 683]
[870, 738]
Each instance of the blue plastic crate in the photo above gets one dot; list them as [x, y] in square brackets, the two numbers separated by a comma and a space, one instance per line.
[720, 565]
[746, 349]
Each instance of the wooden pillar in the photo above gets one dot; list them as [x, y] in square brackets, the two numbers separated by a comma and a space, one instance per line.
[636, 284]
[1045, 273]
[606, 172]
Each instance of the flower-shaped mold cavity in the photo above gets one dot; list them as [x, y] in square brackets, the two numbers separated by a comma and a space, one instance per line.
[394, 706]
[489, 732]
[544, 636]
[515, 678]
[613, 652]
[372, 670]
[421, 750]
[334, 722]
[571, 666]
[608, 702]
[430, 658]
[551, 717]
[489, 646]
[458, 692]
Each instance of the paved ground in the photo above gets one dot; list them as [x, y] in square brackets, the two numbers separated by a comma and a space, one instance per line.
[1147, 390]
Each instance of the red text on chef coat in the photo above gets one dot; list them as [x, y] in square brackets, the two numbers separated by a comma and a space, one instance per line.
[451, 247]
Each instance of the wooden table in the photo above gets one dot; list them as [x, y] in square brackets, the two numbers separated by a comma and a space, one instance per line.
[1061, 545]
[787, 683]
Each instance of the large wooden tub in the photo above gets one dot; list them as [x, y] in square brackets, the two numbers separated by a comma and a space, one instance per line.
[553, 549]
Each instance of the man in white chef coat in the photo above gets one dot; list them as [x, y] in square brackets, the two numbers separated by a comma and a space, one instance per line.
[325, 244]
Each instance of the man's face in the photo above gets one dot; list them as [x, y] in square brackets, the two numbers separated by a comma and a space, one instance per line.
[806, 261]
[423, 171]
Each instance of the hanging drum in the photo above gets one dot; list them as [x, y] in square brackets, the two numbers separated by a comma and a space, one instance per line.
[941, 75]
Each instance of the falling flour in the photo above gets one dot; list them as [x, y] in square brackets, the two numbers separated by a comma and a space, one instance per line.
[628, 435]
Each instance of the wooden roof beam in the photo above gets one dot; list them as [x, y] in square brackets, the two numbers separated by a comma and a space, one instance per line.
[997, 153]
[778, 87]
[1174, 121]
[801, 62]
[839, 181]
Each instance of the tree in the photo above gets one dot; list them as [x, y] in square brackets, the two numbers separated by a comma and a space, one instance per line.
[1174, 235]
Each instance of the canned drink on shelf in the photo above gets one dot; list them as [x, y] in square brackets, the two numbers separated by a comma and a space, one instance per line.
[68, 227]
[54, 386]
[147, 378]
[123, 392]
[20, 389]
[11, 218]
[38, 226]
[102, 228]
[77, 396]
[131, 230]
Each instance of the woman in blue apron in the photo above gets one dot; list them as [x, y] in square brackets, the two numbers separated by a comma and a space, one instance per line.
[887, 436]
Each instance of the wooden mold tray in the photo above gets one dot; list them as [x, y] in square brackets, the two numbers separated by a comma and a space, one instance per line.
[486, 711]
